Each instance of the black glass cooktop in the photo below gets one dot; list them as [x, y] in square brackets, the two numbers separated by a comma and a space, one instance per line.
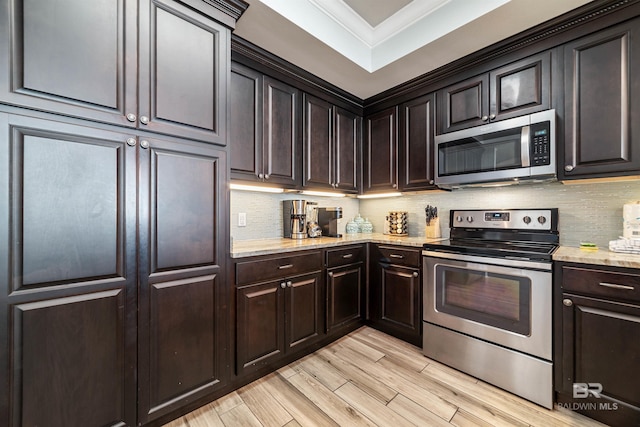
[502, 249]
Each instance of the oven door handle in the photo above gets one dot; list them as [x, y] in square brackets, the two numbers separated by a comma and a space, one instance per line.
[507, 262]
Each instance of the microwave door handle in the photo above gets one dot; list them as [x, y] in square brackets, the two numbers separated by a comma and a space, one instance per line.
[525, 140]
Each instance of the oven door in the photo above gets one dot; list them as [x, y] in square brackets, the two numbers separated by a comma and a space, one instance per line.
[508, 304]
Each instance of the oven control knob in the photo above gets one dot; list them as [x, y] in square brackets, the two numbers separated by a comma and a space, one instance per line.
[542, 219]
[527, 219]
[469, 219]
[459, 218]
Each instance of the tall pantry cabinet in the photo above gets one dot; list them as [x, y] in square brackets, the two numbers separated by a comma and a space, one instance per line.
[113, 202]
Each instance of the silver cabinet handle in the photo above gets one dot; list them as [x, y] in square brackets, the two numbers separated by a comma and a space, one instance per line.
[260, 175]
[266, 176]
[284, 267]
[394, 185]
[396, 256]
[568, 168]
[416, 274]
[131, 142]
[431, 182]
[492, 116]
[283, 285]
[144, 144]
[347, 256]
[144, 120]
[330, 274]
[616, 286]
[289, 283]
[567, 302]
[131, 117]
[485, 118]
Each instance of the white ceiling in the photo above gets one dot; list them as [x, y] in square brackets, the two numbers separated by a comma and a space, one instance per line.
[368, 46]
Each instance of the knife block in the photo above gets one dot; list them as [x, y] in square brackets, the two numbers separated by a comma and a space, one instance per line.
[432, 231]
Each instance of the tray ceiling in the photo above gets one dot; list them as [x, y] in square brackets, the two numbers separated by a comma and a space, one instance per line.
[368, 46]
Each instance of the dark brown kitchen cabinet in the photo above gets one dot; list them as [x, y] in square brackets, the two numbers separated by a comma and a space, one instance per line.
[68, 291]
[416, 148]
[396, 292]
[380, 166]
[331, 143]
[519, 88]
[152, 64]
[596, 328]
[182, 292]
[345, 292]
[601, 112]
[278, 308]
[264, 129]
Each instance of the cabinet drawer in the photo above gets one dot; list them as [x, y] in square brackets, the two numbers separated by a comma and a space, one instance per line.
[400, 256]
[273, 268]
[344, 256]
[615, 285]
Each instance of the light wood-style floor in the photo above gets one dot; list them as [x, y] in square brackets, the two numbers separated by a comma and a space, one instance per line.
[368, 378]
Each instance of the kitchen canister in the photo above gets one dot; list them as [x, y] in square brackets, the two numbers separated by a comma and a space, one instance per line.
[352, 227]
[367, 226]
[631, 220]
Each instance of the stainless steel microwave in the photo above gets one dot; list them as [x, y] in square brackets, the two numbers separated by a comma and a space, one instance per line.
[508, 151]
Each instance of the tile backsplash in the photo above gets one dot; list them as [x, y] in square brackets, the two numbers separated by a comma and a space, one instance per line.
[587, 211]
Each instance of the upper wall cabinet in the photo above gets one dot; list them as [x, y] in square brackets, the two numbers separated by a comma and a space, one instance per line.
[519, 88]
[331, 144]
[380, 170]
[152, 64]
[416, 147]
[264, 129]
[602, 129]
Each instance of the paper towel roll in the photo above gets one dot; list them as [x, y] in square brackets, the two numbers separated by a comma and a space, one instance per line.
[631, 220]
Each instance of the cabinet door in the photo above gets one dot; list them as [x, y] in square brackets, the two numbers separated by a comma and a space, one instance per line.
[280, 140]
[523, 87]
[304, 310]
[245, 129]
[344, 295]
[318, 143]
[601, 90]
[68, 266]
[53, 57]
[417, 146]
[381, 152]
[464, 104]
[346, 138]
[182, 285]
[600, 345]
[260, 325]
[184, 72]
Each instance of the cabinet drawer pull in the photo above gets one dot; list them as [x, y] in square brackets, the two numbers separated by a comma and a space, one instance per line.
[284, 267]
[396, 256]
[347, 256]
[283, 285]
[330, 274]
[567, 302]
[615, 286]
[416, 274]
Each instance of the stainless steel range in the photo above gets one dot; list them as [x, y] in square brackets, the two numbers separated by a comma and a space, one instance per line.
[488, 298]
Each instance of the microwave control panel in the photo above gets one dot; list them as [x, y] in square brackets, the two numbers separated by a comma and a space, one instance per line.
[540, 144]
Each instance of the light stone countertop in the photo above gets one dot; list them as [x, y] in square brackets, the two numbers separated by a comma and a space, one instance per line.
[246, 248]
[597, 257]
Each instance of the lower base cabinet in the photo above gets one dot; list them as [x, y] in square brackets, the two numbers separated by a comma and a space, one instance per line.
[597, 345]
[277, 317]
[396, 292]
[345, 287]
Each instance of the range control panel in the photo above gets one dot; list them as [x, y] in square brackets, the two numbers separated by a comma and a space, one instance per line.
[509, 219]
